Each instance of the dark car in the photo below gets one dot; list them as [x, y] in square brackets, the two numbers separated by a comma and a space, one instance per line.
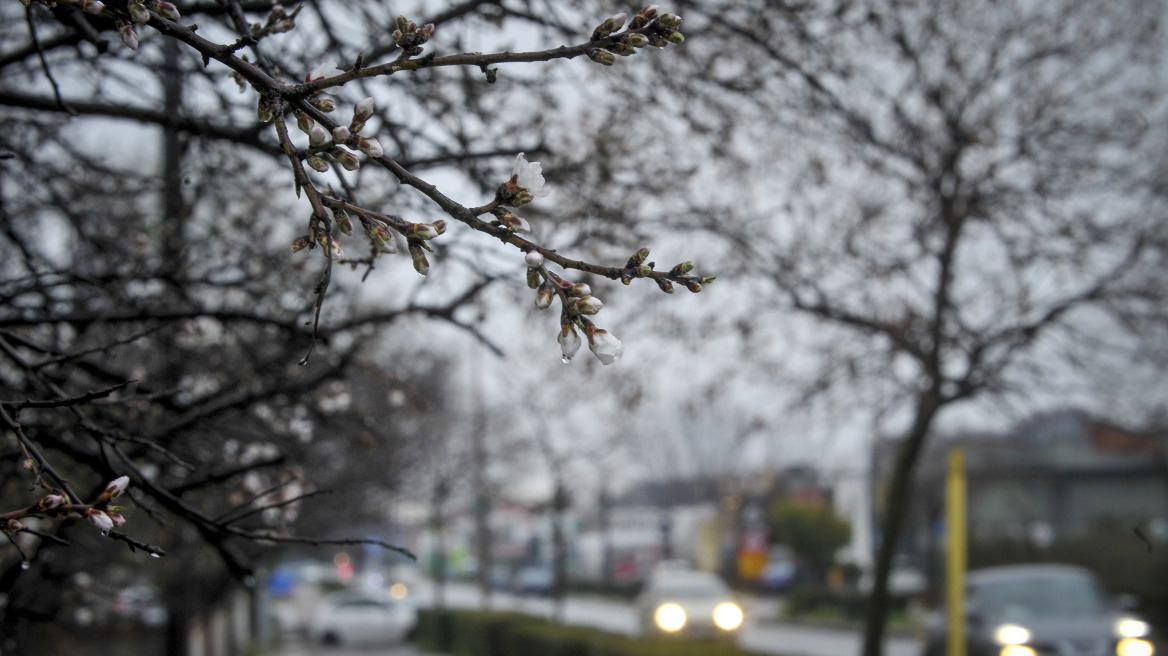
[1043, 610]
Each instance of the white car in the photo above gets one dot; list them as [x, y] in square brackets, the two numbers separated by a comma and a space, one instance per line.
[363, 618]
[693, 603]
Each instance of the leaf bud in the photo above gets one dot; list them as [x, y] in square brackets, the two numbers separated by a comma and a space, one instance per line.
[693, 285]
[638, 258]
[601, 56]
[665, 285]
[644, 271]
[680, 269]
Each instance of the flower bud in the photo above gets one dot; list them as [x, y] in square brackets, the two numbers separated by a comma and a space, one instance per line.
[51, 501]
[637, 40]
[418, 256]
[115, 488]
[318, 164]
[369, 146]
[623, 49]
[676, 38]
[579, 289]
[11, 526]
[304, 122]
[693, 285]
[680, 269]
[347, 159]
[138, 12]
[341, 134]
[116, 518]
[264, 110]
[300, 243]
[318, 135]
[569, 341]
[344, 223]
[94, 6]
[513, 223]
[99, 519]
[363, 110]
[643, 17]
[168, 10]
[644, 271]
[585, 305]
[128, 33]
[544, 296]
[324, 104]
[604, 346]
[601, 56]
[534, 259]
[669, 21]
[665, 285]
[421, 231]
[440, 226]
[329, 245]
[381, 236]
[534, 280]
[610, 25]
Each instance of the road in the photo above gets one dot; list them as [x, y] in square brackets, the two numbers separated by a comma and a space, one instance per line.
[759, 634]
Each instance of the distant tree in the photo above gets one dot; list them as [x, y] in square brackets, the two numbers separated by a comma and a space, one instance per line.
[933, 204]
[812, 530]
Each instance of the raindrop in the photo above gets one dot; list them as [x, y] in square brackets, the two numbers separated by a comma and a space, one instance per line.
[565, 359]
[155, 554]
[25, 564]
[105, 533]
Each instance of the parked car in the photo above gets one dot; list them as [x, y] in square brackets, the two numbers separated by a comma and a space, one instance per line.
[692, 603]
[1042, 610]
[365, 617]
[534, 580]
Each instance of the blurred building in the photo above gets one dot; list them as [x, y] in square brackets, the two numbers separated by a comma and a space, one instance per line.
[1055, 478]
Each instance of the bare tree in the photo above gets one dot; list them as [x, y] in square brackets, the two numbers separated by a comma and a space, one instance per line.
[956, 202]
[155, 334]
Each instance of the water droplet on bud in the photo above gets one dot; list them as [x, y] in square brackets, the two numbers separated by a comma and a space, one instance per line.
[155, 555]
[565, 359]
[25, 564]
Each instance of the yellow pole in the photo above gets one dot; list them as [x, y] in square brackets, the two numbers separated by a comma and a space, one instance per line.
[955, 541]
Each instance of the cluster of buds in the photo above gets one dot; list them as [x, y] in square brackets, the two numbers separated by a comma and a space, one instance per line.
[101, 513]
[578, 304]
[525, 185]
[418, 236]
[321, 141]
[639, 267]
[647, 28]
[278, 20]
[410, 38]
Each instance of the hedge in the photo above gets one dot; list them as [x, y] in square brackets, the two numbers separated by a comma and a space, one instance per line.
[486, 633]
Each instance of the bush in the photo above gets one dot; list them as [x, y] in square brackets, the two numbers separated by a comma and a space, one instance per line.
[486, 633]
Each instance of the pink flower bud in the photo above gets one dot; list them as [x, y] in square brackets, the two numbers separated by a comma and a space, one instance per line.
[544, 296]
[93, 6]
[116, 487]
[117, 518]
[369, 146]
[51, 501]
[128, 34]
[341, 134]
[169, 11]
[99, 519]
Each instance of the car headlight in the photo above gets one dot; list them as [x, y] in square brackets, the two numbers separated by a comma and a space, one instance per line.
[728, 616]
[669, 617]
[1011, 634]
[1130, 627]
[1017, 650]
[1134, 647]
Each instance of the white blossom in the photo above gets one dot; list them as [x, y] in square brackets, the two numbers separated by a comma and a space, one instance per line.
[99, 519]
[534, 259]
[116, 487]
[528, 176]
[327, 69]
